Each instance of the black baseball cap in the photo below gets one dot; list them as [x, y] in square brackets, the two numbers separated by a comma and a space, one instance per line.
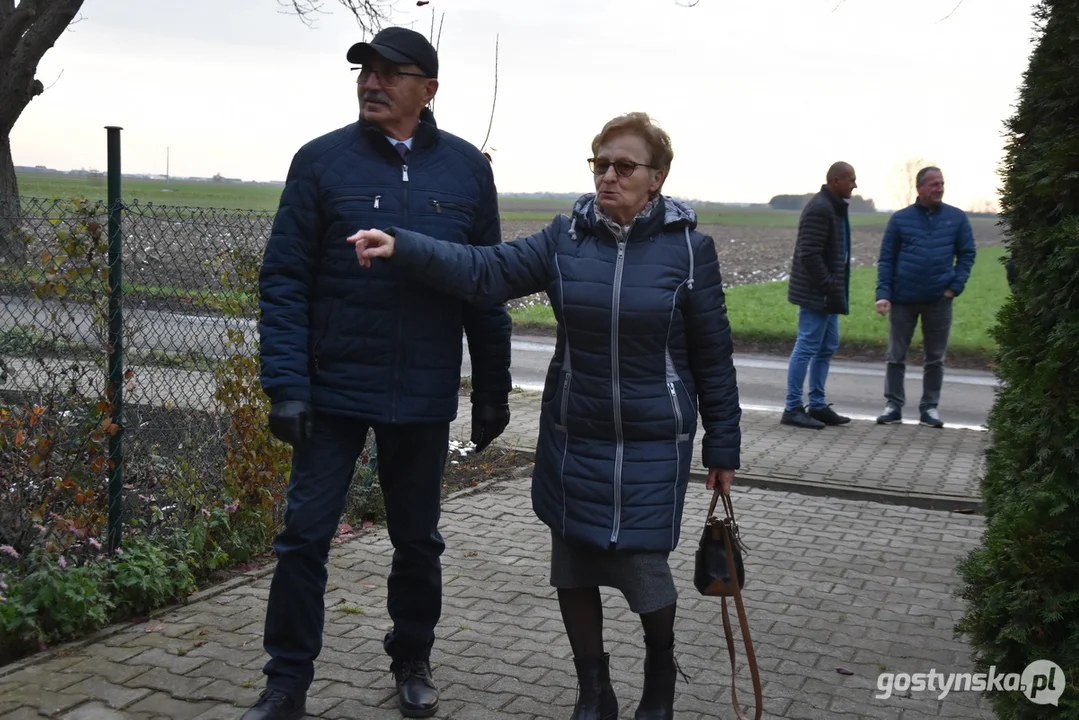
[398, 45]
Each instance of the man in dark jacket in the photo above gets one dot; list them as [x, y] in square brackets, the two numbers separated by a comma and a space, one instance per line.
[344, 351]
[926, 257]
[820, 285]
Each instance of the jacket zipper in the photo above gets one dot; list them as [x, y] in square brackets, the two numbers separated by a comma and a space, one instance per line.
[615, 392]
[400, 328]
[439, 204]
[365, 198]
[565, 400]
[677, 451]
[677, 411]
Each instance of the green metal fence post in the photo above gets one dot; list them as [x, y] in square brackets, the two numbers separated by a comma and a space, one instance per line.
[115, 386]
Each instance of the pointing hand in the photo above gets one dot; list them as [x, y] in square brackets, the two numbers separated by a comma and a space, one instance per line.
[371, 244]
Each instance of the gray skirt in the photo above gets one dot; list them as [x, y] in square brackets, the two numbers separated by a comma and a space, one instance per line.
[644, 578]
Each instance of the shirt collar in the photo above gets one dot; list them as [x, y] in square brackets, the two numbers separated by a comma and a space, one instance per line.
[393, 142]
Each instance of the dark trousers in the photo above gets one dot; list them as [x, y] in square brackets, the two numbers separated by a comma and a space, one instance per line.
[411, 459]
[936, 320]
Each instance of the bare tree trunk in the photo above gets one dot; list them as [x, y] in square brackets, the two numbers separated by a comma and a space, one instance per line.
[27, 31]
[12, 248]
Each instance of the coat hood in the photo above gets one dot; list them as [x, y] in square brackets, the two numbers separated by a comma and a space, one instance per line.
[670, 214]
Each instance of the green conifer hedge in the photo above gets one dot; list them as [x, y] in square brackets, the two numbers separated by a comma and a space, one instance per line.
[1022, 582]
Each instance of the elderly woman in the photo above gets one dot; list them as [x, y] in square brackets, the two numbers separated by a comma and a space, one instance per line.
[643, 345]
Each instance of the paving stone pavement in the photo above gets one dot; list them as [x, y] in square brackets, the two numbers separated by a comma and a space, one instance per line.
[903, 464]
[831, 583]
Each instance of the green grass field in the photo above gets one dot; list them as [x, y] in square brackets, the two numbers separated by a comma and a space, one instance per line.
[264, 197]
[761, 314]
[247, 196]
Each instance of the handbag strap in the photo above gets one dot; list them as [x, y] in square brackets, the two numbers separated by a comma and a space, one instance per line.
[743, 622]
[728, 507]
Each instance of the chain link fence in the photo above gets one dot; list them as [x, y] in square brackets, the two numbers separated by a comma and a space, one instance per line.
[192, 418]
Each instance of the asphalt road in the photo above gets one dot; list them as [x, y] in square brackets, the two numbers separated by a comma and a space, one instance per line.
[854, 389]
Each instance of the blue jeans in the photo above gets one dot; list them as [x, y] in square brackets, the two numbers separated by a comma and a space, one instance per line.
[818, 339]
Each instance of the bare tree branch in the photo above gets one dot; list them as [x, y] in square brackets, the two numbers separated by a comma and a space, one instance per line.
[494, 100]
[436, 41]
[952, 12]
[53, 83]
[369, 14]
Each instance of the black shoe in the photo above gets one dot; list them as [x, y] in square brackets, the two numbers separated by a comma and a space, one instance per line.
[828, 416]
[277, 705]
[660, 675]
[891, 416]
[931, 418]
[798, 417]
[417, 696]
[595, 695]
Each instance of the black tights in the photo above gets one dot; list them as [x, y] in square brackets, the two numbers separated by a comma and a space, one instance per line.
[582, 614]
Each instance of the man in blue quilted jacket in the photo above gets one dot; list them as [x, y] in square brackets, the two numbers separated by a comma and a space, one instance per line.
[926, 257]
[345, 350]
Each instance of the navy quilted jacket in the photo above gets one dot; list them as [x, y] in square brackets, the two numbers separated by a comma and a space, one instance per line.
[375, 344]
[923, 253]
[643, 344]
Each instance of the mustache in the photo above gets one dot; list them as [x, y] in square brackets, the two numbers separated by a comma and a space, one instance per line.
[376, 96]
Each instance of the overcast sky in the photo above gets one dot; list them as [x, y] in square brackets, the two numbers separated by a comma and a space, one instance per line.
[759, 96]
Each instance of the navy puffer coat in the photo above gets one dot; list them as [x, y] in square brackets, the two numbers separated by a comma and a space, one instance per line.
[643, 345]
[924, 253]
[376, 345]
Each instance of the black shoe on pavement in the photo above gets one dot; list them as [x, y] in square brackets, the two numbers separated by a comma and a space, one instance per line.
[417, 696]
[931, 418]
[277, 705]
[828, 416]
[798, 417]
[891, 416]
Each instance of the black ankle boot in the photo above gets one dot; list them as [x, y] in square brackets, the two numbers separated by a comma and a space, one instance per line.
[660, 674]
[595, 696]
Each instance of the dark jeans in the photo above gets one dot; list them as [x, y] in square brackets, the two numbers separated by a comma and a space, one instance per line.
[936, 326]
[411, 459]
[818, 339]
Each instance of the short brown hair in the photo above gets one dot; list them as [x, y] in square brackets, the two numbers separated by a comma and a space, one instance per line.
[638, 123]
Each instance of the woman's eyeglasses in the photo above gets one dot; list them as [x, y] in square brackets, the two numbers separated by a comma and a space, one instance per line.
[623, 168]
[387, 77]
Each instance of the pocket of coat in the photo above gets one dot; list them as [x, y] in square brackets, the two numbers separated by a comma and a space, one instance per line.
[673, 381]
[318, 351]
[563, 410]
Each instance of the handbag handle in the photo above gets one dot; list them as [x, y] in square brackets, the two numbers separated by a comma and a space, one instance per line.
[728, 508]
[743, 622]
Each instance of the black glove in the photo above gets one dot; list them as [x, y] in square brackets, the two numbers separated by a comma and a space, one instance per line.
[490, 416]
[291, 421]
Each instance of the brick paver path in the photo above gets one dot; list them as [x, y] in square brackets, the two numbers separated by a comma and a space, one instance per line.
[904, 464]
[832, 583]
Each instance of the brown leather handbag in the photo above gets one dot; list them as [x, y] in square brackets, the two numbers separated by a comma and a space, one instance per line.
[719, 572]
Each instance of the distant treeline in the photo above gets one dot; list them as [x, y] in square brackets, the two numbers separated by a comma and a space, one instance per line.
[797, 202]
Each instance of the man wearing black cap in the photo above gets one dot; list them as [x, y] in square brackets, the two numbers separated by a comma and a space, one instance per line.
[345, 350]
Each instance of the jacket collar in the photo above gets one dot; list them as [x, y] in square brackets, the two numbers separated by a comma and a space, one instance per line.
[668, 214]
[838, 203]
[426, 132]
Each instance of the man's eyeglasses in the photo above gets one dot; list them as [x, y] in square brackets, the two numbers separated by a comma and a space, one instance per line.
[623, 168]
[387, 77]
